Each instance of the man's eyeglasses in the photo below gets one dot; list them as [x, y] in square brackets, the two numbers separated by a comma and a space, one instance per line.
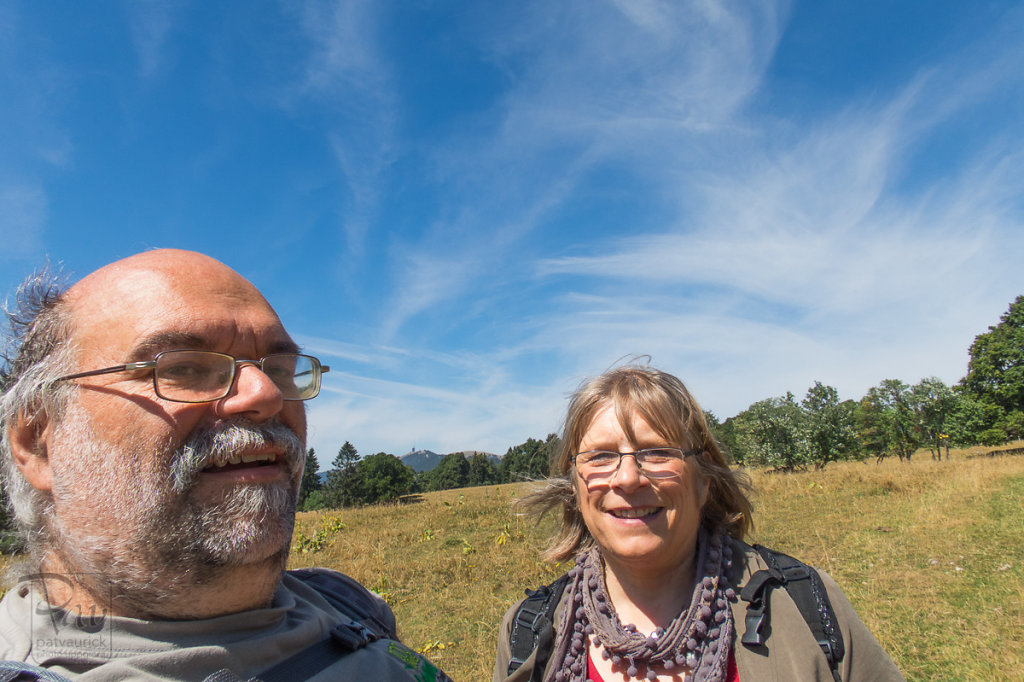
[599, 465]
[200, 376]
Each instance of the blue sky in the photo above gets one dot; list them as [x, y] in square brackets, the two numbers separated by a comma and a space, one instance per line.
[465, 207]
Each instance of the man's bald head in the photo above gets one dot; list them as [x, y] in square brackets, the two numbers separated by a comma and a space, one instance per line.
[154, 289]
[182, 272]
[130, 311]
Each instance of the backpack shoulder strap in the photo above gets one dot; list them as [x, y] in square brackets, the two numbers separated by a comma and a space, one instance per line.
[805, 588]
[349, 597]
[361, 626]
[532, 626]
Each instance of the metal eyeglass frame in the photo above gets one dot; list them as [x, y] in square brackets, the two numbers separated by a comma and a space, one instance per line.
[638, 457]
[236, 363]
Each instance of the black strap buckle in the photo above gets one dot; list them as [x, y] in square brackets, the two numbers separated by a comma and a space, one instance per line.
[754, 623]
[353, 635]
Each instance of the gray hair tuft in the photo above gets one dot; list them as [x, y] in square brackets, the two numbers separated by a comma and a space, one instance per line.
[36, 351]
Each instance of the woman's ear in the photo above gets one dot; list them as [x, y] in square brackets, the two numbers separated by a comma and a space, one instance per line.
[28, 437]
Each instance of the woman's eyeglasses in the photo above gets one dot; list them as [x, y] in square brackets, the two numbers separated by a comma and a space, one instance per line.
[663, 462]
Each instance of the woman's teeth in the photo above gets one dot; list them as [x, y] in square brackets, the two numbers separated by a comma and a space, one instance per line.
[640, 512]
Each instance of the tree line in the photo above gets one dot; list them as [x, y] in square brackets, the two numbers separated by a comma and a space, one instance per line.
[986, 407]
[892, 419]
[382, 477]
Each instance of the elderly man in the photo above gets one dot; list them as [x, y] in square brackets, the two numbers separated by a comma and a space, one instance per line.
[153, 439]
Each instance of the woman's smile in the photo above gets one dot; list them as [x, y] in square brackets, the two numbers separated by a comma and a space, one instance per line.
[636, 513]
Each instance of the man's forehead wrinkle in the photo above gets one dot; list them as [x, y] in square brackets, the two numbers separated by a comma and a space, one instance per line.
[149, 346]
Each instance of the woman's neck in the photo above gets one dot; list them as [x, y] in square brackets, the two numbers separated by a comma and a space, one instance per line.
[649, 601]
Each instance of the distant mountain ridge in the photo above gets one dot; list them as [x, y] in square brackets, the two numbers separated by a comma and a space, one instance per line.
[425, 460]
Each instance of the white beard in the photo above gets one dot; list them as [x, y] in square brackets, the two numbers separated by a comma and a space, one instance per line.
[125, 522]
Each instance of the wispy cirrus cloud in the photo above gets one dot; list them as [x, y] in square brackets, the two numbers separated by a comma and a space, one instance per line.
[23, 214]
[793, 250]
[591, 85]
[150, 23]
[816, 255]
[348, 73]
[396, 416]
[616, 69]
[36, 141]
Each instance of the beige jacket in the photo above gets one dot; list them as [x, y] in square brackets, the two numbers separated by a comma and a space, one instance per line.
[790, 652]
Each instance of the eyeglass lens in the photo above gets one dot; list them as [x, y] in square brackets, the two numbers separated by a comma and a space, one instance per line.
[198, 376]
[657, 462]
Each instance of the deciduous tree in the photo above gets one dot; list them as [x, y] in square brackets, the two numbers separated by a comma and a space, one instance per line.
[383, 478]
[775, 433]
[995, 372]
[934, 402]
[887, 410]
[829, 430]
[451, 472]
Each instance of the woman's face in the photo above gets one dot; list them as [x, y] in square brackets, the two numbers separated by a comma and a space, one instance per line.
[640, 525]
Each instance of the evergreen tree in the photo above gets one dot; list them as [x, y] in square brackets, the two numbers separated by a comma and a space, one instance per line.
[342, 489]
[310, 478]
[530, 460]
[482, 470]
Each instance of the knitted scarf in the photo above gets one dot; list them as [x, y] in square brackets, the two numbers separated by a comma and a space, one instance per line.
[696, 642]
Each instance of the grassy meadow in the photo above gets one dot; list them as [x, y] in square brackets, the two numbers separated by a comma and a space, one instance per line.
[931, 554]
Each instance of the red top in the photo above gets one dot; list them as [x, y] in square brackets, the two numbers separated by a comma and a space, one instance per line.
[732, 674]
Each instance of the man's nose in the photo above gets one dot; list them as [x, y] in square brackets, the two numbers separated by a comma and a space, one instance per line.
[253, 395]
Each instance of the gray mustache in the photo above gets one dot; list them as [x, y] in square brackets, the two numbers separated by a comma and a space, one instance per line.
[215, 444]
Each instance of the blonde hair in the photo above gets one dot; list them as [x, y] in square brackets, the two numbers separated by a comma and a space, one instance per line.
[666, 405]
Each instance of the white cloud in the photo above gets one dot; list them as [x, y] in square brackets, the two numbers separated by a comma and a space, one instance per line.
[150, 23]
[347, 70]
[23, 210]
[818, 263]
[574, 103]
[670, 66]
[394, 417]
[798, 251]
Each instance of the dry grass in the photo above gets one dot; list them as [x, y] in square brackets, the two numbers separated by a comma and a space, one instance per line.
[931, 554]
[449, 563]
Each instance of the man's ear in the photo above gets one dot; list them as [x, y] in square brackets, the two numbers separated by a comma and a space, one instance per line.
[29, 436]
